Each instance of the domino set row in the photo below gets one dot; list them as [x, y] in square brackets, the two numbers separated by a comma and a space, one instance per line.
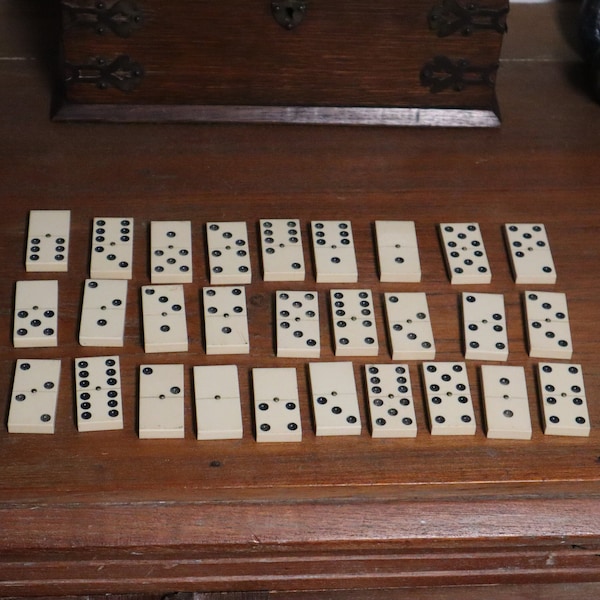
[282, 250]
[297, 322]
[277, 416]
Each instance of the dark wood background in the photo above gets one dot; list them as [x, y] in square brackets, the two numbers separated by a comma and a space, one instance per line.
[109, 513]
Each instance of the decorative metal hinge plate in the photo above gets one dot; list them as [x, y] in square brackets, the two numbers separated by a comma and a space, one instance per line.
[123, 17]
[452, 17]
[288, 13]
[442, 73]
[122, 73]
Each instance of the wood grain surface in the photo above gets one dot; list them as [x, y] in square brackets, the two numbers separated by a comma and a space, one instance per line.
[86, 513]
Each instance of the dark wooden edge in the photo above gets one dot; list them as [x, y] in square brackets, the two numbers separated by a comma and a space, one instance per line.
[154, 546]
[422, 117]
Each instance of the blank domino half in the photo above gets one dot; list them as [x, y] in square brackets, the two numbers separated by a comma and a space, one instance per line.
[217, 399]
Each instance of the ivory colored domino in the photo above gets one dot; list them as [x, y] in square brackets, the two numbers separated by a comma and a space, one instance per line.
[112, 248]
[397, 251]
[161, 402]
[228, 253]
[48, 241]
[171, 252]
[334, 253]
[36, 314]
[353, 323]
[448, 398]
[217, 400]
[484, 326]
[103, 312]
[409, 326]
[530, 254]
[164, 318]
[390, 399]
[98, 397]
[464, 253]
[548, 328]
[276, 405]
[225, 320]
[297, 324]
[334, 398]
[281, 248]
[563, 399]
[505, 401]
[34, 396]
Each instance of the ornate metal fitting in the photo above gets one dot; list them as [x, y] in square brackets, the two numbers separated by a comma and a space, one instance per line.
[442, 73]
[123, 17]
[288, 13]
[122, 73]
[452, 17]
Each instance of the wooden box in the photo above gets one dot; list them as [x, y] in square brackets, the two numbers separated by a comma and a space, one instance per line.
[412, 62]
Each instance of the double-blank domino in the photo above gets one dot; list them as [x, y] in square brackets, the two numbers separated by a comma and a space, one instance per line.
[506, 404]
[217, 401]
[36, 314]
[276, 405]
[34, 396]
[161, 407]
[48, 240]
[397, 251]
[334, 398]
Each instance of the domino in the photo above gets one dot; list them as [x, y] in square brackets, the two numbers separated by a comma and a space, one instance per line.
[334, 254]
[397, 251]
[409, 326]
[530, 254]
[297, 324]
[98, 398]
[228, 253]
[334, 398]
[112, 248]
[217, 402]
[36, 314]
[103, 312]
[464, 253]
[48, 241]
[276, 405]
[282, 252]
[353, 323]
[505, 401]
[448, 398]
[391, 404]
[563, 399]
[163, 312]
[225, 320]
[161, 402]
[34, 396]
[171, 252]
[484, 325]
[548, 329]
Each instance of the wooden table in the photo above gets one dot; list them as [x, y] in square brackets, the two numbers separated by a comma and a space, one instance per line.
[92, 513]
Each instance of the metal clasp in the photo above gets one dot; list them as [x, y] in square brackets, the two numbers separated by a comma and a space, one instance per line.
[288, 13]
